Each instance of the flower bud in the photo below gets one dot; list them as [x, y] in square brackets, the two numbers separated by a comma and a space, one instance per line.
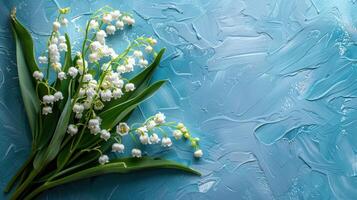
[56, 26]
[177, 134]
[64, 10]
[198, 153]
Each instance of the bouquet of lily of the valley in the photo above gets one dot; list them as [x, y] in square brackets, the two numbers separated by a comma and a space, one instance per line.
[77, 105]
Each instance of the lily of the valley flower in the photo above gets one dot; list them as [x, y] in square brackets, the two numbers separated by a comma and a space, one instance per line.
[110, 30]
[64, 22]
[136, 153]
[150, 124]
[46, 110]
[117, 147]
[93, 24]
[72, 129]
[56, 26]
[141, 130]
[38, 75]
[129, 20]
[159, 118]
[198, 153]
[122, 129]
[119, 25]
[72, 71]
[166, 142]
[103, 159]
[129, 87]
[48, 99]
[144, 138]
[177, 134]
[148, 49]
[154, 138]
[105, 135]
[42, 60]
[78, 108]
[61, 76]
[58, 96]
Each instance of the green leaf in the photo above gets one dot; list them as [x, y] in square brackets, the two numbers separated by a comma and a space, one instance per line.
[82, 162]
[62, 156]
[25, 166]
[140, 81]
[68, 56]
[104, 147]
[88, 139]
[25, 40]
[48, 128]
[115, 114]
[48, 154]
[25, 68]
[124, 165]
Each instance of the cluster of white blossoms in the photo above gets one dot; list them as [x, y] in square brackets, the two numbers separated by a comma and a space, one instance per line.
[148, 134]
[49, 99]
[98, 73]
[56, 44]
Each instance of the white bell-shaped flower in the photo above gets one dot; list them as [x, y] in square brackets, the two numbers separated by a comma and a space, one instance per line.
[166, 142]
[103, 159]
[117, 147]
[136, 153]
[198, 153]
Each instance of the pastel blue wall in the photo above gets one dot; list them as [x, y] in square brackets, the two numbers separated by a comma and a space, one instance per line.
[268, 85]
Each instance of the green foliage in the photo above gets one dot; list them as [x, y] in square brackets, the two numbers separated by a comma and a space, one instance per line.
[58, 158]
[47, 155]
[25, 67]
[123, 165]
[115, 114]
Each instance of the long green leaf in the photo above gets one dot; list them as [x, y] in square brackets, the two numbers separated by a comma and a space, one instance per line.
[25, 39]
[141, 82]
[68, 56]
[62, 156]
[48, 154]
[25, 68]
[113, 116]
[124, 165]
[47, 129]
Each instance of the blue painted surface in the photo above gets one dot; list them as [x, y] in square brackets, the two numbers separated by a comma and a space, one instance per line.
[268, 85]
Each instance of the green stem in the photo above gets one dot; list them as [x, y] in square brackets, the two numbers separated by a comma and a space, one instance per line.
[70, 178]
[19, 191]
[19, 172]
[80, 153]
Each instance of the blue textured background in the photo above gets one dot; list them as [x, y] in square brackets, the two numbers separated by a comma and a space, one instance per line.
[269, 85]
